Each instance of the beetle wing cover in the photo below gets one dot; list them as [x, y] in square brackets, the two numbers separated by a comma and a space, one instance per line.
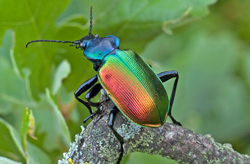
[134, 88]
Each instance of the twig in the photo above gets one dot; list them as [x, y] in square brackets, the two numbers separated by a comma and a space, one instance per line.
[97, 144]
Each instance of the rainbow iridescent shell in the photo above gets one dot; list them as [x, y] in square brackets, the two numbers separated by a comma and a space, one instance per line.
[134, 88]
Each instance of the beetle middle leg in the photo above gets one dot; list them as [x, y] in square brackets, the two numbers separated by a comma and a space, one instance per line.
[165, 76]
[112, 114]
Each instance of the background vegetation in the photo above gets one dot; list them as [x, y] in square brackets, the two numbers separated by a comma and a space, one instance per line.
[206, 41]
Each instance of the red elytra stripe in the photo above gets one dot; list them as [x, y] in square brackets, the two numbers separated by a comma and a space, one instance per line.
[128, 94]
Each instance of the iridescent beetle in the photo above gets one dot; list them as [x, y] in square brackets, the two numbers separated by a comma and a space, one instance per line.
[128, 81]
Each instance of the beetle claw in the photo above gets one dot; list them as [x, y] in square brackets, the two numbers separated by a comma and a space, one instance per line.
[174, 121]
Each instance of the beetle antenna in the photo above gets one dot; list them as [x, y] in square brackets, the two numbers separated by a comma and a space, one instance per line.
[57, 41]
[90, 28]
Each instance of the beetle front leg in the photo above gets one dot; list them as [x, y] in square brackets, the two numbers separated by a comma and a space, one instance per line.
[112, 114]
[83, 88]
[165, 76]
[92, 93]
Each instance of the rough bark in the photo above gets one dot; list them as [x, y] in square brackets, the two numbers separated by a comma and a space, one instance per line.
[97, 144]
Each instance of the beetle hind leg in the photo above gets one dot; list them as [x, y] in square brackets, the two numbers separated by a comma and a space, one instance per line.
[117, 135]
[165, 76]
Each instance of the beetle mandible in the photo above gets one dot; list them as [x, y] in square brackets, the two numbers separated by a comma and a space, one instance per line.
[127, 79]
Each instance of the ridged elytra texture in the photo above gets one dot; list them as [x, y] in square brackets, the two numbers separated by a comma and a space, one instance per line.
[134, 88]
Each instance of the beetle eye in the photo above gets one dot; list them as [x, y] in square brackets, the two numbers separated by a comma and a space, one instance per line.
[82, 45]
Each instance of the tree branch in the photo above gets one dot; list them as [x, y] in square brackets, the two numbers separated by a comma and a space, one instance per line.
[97, 144]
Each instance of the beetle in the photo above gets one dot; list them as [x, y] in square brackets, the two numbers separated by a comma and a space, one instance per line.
[128, 81]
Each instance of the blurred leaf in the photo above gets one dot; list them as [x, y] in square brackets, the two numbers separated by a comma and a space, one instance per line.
[235, 17]
[35, 20]
[10, 145]
[135, 22]
[212, 90]
[62, 72]
[36, 155]
[61, 126]
[8, 161]
[52, 131]
[12, 89]
[138, 22]
[15, 97]
[246, 67]
[28, 126]
[33, 153]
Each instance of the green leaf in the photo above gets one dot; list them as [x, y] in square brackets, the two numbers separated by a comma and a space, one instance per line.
[8, 161]
[28, 126]
[51, 130]
[137, 22]
[51, 123]
[61, 125]
[62, 72]
[35, 20]
[10, 145]
[246, 67]
[33, 153]
[36, 155]
[14, 98]
[12, 89]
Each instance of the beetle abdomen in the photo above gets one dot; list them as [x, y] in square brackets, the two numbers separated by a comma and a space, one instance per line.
[134, 88]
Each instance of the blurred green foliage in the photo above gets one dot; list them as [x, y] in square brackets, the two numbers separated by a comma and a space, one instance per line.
[210, 52]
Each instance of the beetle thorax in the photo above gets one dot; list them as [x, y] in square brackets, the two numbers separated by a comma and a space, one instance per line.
[99, 47]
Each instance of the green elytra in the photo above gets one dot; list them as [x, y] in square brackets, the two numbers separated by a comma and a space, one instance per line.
[127, 79]
[141, 96]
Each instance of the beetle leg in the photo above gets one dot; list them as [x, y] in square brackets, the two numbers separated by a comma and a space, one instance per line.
[90, 116]
[165, 76]
[92, 93]
[110, 124]
[83, 88]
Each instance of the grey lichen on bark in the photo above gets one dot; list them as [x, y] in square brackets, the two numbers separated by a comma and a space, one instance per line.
[97, 143]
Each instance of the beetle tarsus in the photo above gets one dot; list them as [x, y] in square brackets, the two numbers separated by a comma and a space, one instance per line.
[90, 116]
[174, 121]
